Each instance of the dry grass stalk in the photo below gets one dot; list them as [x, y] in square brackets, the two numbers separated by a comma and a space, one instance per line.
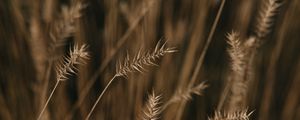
[141, 59]
[242, 56]
[263, 26]
[209, 39]
[238, 115]
[67, 67]
[78, 55]
[264, 23]
[265, 18]
[173, 18]
[186, 94]
[61, 29]
[153, 107]
[65, 26]
[113, 53]
[236, 52]
[138, 62]
[201, 58]
[238, 84]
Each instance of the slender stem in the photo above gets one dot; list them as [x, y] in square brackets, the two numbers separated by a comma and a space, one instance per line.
[166, 105]
[100, 96]
[209, 39]
[224, 94]
[106, 61]
[46, 80]
[53, 90]
[203, 53]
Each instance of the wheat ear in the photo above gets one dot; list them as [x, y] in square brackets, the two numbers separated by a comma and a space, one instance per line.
[238, 115]
[78, 55]
[265, 19]
[153, 107]
[137, 64]
[186, 95]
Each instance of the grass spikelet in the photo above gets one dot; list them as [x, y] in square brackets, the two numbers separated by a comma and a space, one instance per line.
[265, 19]
[236, 52]
[238, 115]
[137, 63]
[186, 95]
[65, 26]
[153, 107]
[78, 55]
[238, 85]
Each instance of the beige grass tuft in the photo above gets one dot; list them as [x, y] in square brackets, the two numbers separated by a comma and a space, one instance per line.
[238, 85]
[141, 59]
[186, 94]
[238, 115]
[65, 26]
[236, 52]
[138, 62]
[265, 19]
[153, 107]
[78, 55]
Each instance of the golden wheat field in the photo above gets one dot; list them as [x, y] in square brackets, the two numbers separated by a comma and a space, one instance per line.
[149, 60]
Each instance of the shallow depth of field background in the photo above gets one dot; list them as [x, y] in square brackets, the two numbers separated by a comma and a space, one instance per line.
[122, 26]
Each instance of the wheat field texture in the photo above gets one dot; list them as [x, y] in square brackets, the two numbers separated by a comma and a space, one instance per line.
[149, 60]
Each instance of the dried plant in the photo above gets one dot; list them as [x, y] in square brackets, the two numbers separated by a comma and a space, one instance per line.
[238, 115]
[65, 26]
[136, 64]
[153, 107]
[266, 17]
[236, 52]
[238, 85]
[186, 94]
[78, 55]
[60, 30]
[140, 60]
[121, 42]
[202, 55]
[253, 78]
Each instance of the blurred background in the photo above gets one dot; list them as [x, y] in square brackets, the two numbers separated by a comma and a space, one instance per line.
[111, 28]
